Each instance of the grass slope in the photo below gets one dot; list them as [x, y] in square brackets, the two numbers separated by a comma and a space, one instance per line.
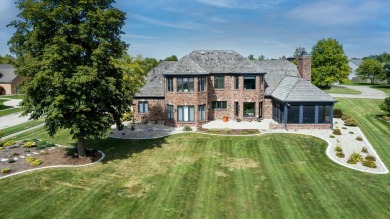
[341, 90]
[21, 127]
[199, 176]
[10, 111]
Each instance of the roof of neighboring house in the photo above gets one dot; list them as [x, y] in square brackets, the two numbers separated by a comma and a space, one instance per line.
[154, 86]
[276, 71]
[294, 89]
[357, 62]
[7, 73]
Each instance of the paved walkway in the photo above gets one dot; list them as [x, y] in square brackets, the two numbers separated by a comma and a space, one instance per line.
[233, 124]
[12, 120]
[12, 102]
[367, 92]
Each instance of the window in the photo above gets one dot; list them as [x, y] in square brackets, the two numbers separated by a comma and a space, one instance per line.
[202, 112]
[143, 107]
[236, 82]
[293, 114]
[169, 84]
[249, 110]
[219, 104]
[185, 84]
[308, 114]
[277, 111]
[185, 114]
[170, 112]
[249, 82]
[201, 83]
[236, 109]
[219, 82]
[324, 114]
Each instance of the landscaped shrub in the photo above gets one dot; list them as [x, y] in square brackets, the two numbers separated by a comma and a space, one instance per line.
[345, 117]
[332, 136]
[338, 149]
[29, 144]
[336, 132]
[355, 158]
[36, 162]
[15, 154]
[11, 160]
[1, 143]
[46, 144]
[251, 131]
[71, 151]
[187, 129]
[344, 127]
[359, 138]
[9, 143]
[350, 122]
[351, 133]
[337, 113]
[30, 159]
[244, 133]
[364, 150]
[369, 163]
[5, 170]
[40, 147]
[340, 154]
[370, 157]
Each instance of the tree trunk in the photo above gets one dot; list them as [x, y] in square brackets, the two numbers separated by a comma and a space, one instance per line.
[81, 146]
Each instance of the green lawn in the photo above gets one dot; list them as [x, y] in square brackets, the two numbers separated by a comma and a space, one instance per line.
[18, 96]
[10, 111]
[2, 107]
[21, 127]
[202, 176]
[342, 90]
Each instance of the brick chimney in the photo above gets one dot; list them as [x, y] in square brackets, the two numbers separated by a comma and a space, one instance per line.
[304, 66]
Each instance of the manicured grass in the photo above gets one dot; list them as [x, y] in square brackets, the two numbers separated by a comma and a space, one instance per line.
[19, 96]
[202, 176]
[341, 90]
[21, 127]
[10, 111]
[2, 107]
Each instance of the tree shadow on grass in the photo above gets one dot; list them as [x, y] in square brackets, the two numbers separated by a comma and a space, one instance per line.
[119, 149]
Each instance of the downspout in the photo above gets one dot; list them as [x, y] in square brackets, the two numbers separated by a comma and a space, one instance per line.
[285, 115]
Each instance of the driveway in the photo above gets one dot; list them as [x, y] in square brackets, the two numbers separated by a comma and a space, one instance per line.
[12, 120]
[367, 92]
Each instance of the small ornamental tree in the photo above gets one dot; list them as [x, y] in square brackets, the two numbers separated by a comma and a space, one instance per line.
[329, 63]
[385, 105]
[77, 74]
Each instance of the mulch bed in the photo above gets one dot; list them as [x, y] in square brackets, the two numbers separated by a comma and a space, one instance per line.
[50, 156]
[230, 131]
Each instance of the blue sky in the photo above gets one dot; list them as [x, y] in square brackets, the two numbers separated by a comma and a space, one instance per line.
[160, 28]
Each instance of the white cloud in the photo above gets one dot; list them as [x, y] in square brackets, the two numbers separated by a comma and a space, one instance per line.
[247, 4]
[179, 25]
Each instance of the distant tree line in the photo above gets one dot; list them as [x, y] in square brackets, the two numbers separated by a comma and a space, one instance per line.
[375, 67]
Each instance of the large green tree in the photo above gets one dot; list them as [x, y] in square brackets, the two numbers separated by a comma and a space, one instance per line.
[330, 64]
[370, 69]
[75, 65]
[7, 59]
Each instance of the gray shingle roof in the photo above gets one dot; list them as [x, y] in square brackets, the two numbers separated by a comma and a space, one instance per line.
[7, 73]
[247, 66]
[154, 86]
[186, 66]
[294, 89]
[216, 61]
[276, 70]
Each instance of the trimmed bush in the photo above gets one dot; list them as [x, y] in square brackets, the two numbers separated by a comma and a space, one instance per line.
[359, 138]
[11, 160]
[5, 170]
[29, 144]
[337, 132]
[187, 129]
[355, 158]
[338, 149]
[369, 163]
[9, 143]
[36, 162]
[340, 154]
[15, 154]
[370, 157]
[350, 122]
[332, 136]
[364, 150]
[345, 117]
[337, 113]
[351, 133]
[244, 133]
[344, 127]
[30, 159]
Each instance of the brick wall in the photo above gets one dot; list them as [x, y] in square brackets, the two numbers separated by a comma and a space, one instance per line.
[304, 66]
[300, 126]
[156, 111]
[267, 108]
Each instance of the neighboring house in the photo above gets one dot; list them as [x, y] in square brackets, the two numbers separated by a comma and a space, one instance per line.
[211, 84]
[8, 80]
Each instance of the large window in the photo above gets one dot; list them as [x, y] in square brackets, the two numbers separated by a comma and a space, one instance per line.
[185, 114]
[219, 104]
[143, 107]
[308, 114]
[201, 83]
[324, 114]
[249, 82]
[293, 114]
[185, 84]
[219, 82]
[170, 112]
[169, 84]
[249, 110]
[236, 82]
[202, 112]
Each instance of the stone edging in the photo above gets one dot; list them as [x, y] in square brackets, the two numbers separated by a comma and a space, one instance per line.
[56, 166]
[185, 133]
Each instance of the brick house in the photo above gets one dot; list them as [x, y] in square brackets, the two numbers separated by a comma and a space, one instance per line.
[211, 84]
[8, 80]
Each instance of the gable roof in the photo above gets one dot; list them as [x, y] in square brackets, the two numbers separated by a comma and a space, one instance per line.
[154, 86]
[7, 73]
[186, 66]
[276, 70]
[294, 89]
